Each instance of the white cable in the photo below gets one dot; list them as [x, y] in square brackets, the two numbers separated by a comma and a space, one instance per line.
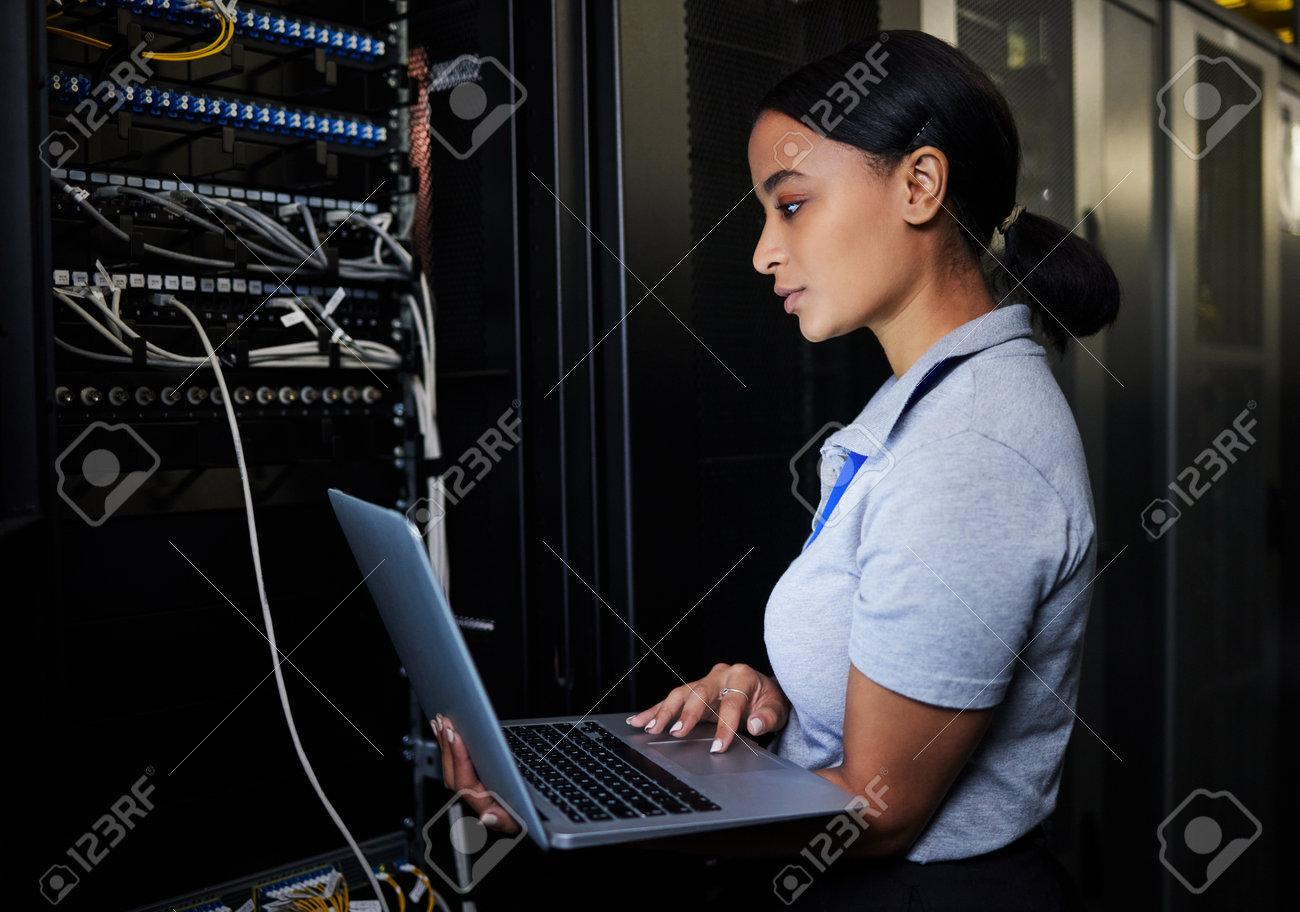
[433, 443]
[266, 607]
[263, 224]
[426, 402]
[98, 327]
[311, 225]
[123, 328]
[388, 239]
[383, 220]
[436, 534]
[117, 294]
[98, 356]
[95, 296]
[421, 335]
[120, 359]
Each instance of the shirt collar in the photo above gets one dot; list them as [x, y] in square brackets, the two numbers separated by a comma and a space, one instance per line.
[873, 425]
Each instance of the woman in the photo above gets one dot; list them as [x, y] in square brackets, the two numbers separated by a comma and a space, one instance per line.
[927, 640]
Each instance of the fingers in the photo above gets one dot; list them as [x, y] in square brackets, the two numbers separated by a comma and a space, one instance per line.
[642, 719]
[688, 701]
[762, 718]
[459, 776]
[444, 752]
[754, 704]
[731, 709]
[769, 710]
[703, 699]
[498, 818]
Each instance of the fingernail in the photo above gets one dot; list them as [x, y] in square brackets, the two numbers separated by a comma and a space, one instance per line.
[489, 819]
[650, 724]
[629, 719]
[677, 727]
[451, 735]
[437, 723]
[755, 725]
[717, 746]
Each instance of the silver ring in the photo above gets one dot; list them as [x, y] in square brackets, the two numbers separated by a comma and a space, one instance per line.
[732, 690]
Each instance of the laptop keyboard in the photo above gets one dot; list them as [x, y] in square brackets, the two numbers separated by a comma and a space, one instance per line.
[590, 774]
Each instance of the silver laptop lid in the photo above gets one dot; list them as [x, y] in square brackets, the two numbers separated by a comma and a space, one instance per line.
[424, 632]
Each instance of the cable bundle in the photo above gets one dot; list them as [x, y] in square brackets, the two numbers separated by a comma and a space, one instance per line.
[353, 353]
[275, 248]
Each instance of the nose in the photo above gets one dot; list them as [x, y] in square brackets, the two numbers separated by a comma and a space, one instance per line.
[768, 255]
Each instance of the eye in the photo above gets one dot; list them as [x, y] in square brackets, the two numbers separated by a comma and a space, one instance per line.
[788, 210]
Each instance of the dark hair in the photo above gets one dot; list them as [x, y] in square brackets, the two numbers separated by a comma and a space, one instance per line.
[931, 94]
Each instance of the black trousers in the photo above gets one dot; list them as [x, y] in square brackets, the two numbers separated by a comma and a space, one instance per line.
[1022, 876]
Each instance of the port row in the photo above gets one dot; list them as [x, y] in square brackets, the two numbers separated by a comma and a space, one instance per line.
[143, 396]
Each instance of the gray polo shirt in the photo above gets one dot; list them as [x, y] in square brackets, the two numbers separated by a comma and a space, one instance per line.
[965, 537]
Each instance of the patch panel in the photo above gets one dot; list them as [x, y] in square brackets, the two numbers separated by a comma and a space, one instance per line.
[267, 25]
[225, 299]
[205, 109]
[219, 190]
[267, 235]
[270, 894]
[248, 892]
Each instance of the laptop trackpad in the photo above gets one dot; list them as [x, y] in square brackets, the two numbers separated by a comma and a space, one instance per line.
[694, 755]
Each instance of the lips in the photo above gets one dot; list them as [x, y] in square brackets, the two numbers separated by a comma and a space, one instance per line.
[791, 295]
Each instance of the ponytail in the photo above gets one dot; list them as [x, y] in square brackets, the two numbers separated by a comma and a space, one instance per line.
[1066, 281]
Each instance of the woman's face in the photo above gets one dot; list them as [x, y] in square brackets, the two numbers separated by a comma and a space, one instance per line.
[836, 235]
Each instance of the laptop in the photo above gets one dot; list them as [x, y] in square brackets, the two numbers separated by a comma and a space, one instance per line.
[572, 781]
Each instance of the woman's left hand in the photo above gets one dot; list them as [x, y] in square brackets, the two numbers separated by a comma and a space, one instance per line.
[458, 774]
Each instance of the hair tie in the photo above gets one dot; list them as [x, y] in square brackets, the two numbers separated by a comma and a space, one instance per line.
[1011, 219]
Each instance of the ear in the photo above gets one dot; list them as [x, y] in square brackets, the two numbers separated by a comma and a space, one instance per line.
[925, 173]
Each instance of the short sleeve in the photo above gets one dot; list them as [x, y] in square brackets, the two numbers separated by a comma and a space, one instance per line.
[961, 541]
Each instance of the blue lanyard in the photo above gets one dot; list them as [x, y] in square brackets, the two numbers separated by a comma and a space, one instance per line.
[847, 471]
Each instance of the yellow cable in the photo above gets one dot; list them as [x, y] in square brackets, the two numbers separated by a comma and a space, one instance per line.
[84, 39]
[428, 884]
[216, 47]
[224, 35]
[401, 897]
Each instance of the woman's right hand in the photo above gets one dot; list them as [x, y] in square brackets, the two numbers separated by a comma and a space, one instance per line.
[754, 702]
